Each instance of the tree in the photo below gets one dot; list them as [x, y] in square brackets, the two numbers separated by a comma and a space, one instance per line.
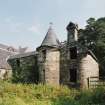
[93, 36]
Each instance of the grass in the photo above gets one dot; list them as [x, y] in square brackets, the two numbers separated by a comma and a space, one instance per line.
[31, 94]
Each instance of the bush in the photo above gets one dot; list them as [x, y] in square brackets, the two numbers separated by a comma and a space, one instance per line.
[92, 96]
[31, 94]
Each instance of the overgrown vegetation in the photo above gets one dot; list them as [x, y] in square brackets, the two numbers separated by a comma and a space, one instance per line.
[93, 36]
[31, 94]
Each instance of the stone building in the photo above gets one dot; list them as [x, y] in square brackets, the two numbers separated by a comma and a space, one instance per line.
[5, 52]
[53, 62]
[5, 68]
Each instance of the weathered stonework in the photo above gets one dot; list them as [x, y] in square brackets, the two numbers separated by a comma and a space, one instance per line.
[88, 67]
[64, 62]
[24, 68]
[49, 66]
[5, 74]
[56, 63]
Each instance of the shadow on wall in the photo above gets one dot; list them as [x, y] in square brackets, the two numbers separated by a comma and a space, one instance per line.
[24, 70]
[25, 75]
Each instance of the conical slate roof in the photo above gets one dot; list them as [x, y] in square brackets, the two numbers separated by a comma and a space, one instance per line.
[50, 39]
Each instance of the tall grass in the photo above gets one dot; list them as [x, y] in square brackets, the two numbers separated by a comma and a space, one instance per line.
[31, 94]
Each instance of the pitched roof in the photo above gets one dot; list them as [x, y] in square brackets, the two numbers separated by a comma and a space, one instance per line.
[93, 55]
[50, 39]
[21, 55]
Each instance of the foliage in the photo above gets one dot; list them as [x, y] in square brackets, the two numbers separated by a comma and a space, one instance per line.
[93, 36]
[93, 96]
[26, 74]
[31, 94]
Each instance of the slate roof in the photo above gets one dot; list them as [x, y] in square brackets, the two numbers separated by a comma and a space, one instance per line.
[93, 55]
[50, 39]
[22, 55]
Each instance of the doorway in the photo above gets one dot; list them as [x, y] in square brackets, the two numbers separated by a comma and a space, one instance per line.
[73, 53]
[73, 75]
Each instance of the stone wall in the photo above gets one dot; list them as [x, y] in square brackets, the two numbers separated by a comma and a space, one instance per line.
[5, 69]
[5, 74]
[88, 67]
[85, 64]
[24, 69]
[64, 65]
[49, 66]
[53, 67]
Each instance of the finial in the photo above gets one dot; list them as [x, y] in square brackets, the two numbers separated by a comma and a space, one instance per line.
[51, 24]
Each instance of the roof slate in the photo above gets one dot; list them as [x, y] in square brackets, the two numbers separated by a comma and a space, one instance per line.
[22, 55]
[50, 39]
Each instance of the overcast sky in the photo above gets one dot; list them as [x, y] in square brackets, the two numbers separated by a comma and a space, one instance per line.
[25, 22]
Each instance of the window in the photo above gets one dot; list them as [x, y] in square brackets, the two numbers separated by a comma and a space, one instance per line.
[73, 53]
[44, 54]
[18, 62]
[73, 75]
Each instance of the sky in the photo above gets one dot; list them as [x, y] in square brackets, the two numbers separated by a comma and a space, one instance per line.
[25, 22]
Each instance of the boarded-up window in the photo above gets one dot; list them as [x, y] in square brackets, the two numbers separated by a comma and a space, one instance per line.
[73, 53]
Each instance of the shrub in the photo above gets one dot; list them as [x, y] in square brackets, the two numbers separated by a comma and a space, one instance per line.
[32, 94]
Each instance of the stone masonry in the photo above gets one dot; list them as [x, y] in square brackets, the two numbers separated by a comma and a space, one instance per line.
[56, 63]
